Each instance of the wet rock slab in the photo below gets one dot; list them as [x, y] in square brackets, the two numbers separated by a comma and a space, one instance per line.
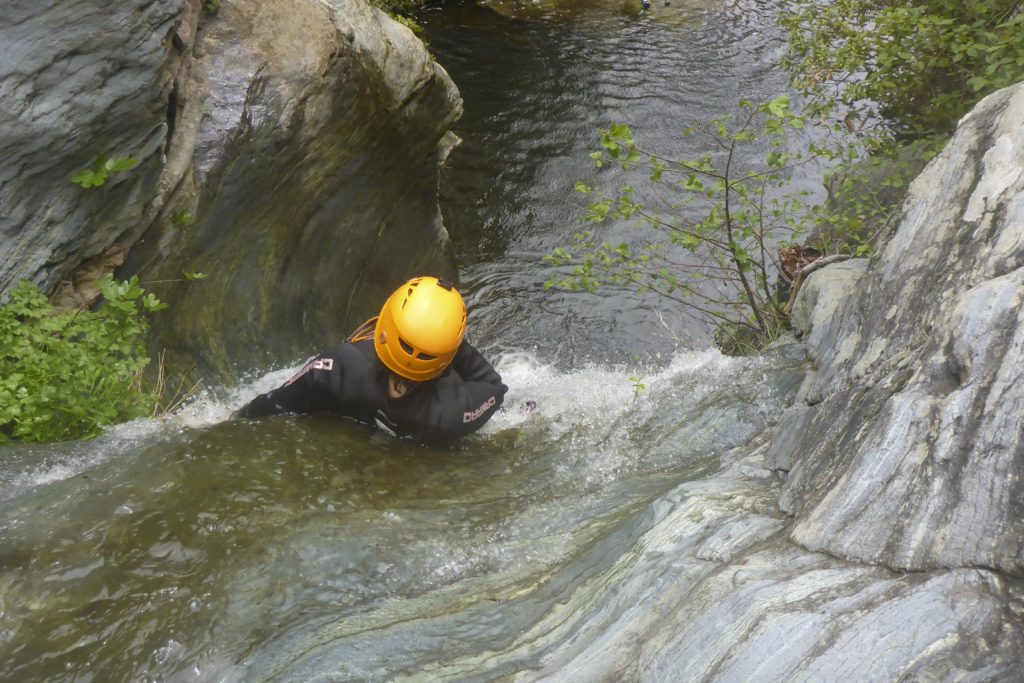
[703, 586]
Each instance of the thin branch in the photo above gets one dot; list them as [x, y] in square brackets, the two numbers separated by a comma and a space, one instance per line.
[739, 266]
[685, 302]
[703, 238]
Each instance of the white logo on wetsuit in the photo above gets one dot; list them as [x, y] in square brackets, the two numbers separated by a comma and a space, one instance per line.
[318, 364]
[475, 414]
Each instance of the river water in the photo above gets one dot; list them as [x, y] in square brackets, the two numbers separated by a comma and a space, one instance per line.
[196, 548]
[538, 81]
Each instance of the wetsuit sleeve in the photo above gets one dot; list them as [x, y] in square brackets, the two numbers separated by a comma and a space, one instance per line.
[309, 391]
[467, 396]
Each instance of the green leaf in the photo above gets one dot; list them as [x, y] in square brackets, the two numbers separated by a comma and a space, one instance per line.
[88, 178]
[693, 183]
[120, 164]
[66, 374]
[778, 105]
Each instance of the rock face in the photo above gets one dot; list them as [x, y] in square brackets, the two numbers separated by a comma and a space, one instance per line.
[819, 299]
[712, 591]
[288, 149]
[902, 556]
[909, 444]
[314, 182]
[81, 78]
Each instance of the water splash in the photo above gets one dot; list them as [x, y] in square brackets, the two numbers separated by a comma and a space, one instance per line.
[212, 407]
[593, 395]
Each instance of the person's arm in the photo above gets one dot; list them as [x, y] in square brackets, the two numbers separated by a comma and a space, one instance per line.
[466, 397]
[473, 367]
[306, 392]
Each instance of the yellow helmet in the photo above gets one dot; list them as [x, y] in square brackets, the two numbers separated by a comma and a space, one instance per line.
[420, 328]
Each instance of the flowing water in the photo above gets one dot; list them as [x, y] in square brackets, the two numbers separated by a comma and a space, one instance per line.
[198, 548]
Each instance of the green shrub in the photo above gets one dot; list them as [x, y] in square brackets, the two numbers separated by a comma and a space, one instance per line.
[394, 7]
[919, 65]
[66, 374]
[895, 77]
[706, 238]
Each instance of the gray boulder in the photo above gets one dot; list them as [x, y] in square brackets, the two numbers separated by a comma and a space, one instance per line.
[909, 452]
[79, 79]
[819, 300]
[288, 149]
[313, 186]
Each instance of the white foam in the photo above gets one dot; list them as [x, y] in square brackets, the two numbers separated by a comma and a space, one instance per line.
[566, 400]
[591, 393]
[564, 397]
[87, 454]
[209, 408]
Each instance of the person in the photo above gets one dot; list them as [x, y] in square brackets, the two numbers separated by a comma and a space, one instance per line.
[409, 371]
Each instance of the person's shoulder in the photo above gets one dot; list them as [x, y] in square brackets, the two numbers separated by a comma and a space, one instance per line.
[351, 355]
[465, 344]
[347, 348]
[363, 348]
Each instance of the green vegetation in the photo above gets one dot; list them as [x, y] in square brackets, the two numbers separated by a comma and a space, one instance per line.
[917, 67]
[898, 76]
[865, 191]
[66, 374]
[638, 386]
[102, 168]
[713, 230]
[402, 11]
[399, 7]
[183, 219]
[893, 77]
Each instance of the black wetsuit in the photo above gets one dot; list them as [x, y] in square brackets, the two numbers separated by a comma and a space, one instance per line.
[350, 380]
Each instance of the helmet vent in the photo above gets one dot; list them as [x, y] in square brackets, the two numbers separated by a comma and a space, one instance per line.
[409, 349]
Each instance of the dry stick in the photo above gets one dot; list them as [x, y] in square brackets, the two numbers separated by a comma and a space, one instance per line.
[884, 224]
[800, 275]
[761, 246]
[671, 333]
